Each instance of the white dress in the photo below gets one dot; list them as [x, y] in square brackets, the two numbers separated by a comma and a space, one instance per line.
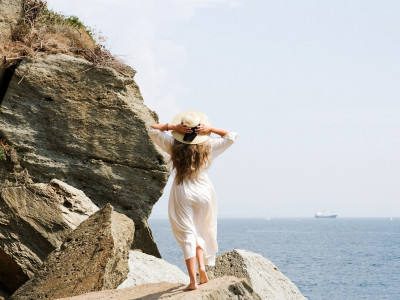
[192, 206]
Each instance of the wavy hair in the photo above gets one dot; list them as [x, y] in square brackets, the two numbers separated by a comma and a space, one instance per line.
[189, 159]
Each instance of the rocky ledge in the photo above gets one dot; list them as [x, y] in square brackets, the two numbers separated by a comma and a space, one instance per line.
[223, 288]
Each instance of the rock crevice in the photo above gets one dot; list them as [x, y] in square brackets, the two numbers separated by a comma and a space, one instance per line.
[6, 73]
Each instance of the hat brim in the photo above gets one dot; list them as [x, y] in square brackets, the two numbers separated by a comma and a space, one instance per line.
[200, 138]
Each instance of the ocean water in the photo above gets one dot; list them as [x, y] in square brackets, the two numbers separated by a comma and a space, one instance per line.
[343, 258]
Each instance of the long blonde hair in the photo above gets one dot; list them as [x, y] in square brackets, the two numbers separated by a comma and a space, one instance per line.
[188, 159]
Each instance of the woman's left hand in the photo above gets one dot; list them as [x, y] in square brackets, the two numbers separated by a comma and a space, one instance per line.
[203, 129]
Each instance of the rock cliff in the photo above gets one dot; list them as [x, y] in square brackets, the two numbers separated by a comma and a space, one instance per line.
[82, 123]
[86, 125]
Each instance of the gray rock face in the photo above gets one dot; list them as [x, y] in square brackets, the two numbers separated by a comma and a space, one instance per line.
[34, 220]
[10, 14]
[267, 281]
[86, 125]
[93, 257]
[145, 268]
[225, 288]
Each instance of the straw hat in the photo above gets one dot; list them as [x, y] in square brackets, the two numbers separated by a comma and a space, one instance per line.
[191, 118]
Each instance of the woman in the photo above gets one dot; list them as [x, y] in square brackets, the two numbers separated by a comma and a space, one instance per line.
[192, 206]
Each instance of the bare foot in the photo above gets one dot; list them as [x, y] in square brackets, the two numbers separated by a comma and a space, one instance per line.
[191, 287]
[203, 276]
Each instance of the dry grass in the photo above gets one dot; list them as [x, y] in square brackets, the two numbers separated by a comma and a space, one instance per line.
[43, 32]
[17, 175]
[4, 149]
[7, 151]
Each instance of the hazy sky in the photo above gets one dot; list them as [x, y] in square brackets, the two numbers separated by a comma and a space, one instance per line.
[312, 88]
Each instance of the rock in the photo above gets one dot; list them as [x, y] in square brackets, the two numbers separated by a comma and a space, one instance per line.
[3, 293]
[34, 220]
[10, 13]
[6, 73]
[218, 289]
[10, 169]
[145, 268]
[86, 125]
[144, 240]
[93, 257]
[267, 281]
[3, 72]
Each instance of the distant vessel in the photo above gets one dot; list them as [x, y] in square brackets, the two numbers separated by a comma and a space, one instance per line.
[268, 218]
[320, 214]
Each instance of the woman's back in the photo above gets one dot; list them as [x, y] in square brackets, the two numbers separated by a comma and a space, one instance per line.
[192, 205]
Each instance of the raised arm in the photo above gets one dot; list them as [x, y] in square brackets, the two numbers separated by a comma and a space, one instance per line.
[220, 144]
[204, 129]
[181, 128]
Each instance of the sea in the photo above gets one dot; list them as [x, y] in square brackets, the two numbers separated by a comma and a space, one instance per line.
[342, 258]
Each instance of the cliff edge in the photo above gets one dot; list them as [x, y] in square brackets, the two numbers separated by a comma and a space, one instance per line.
[81, 122]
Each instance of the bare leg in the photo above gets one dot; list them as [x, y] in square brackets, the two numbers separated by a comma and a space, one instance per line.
[191, 267]
[202, 267]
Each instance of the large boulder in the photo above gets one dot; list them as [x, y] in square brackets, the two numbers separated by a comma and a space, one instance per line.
[145, 269]
[11, 12]
[86, 125]
[224, 288]
[267, 281]
[34, 220]
[93, 257]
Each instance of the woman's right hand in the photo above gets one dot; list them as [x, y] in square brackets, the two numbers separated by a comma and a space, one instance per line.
[203, 129]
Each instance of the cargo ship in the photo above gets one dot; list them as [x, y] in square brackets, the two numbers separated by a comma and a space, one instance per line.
[320, 214]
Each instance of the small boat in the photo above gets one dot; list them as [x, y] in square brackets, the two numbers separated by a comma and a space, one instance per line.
[267, 218]
[320, 214]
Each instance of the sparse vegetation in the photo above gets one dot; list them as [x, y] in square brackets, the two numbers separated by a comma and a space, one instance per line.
[4, 150]
[2, 154]
[43, 31]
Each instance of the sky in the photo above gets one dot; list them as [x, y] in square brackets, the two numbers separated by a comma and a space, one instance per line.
[312, 87]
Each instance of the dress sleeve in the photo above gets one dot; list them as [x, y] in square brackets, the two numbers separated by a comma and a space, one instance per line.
[220, 144]
[161, 139]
